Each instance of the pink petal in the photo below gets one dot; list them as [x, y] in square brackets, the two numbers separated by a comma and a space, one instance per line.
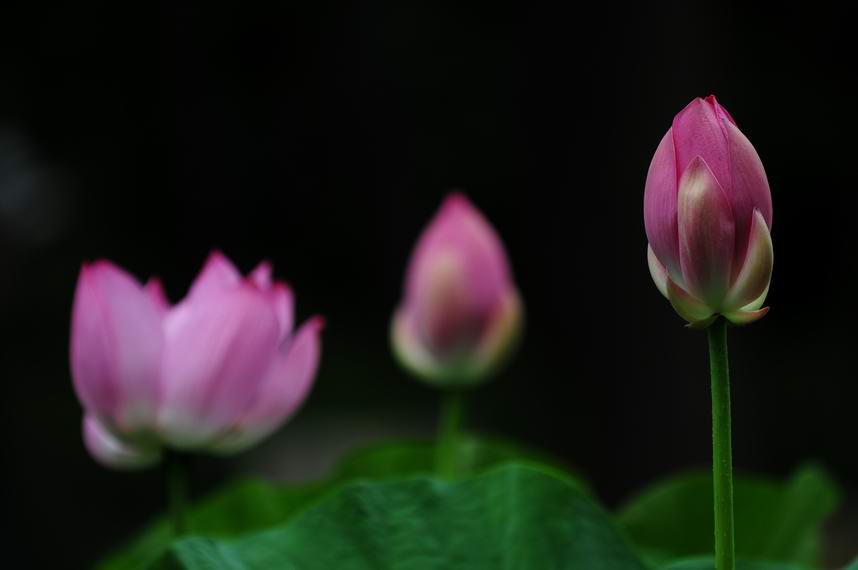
[283, 392]
[116, 347]
[450, 319]
[706, 234]
[217, 275]
[283, 301]
[660, 198]
[155, 290]
[112, 452]
[457, 275]
[459, 230]
[719, 110]
[750, 190]
[261, 275]
[698, 130]
[756, 272]
[279, 294]
[219, 348]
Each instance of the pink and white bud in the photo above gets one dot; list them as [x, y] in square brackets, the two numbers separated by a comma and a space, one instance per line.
[708, 217]
[461, 312]
[217, 372]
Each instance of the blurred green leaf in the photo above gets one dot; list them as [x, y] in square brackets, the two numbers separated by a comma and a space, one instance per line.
[514, 516]
[251, 505]
[853, 566]
[780, 522]
[241, 507]
[474, 454]
[709, 564]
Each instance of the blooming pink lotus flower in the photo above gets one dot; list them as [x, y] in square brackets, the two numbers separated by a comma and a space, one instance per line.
[461, 312]
[708, 214]
[217, 372]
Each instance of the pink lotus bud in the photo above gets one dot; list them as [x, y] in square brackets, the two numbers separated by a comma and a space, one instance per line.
[461, 313]
[217, 372]
[708, 214]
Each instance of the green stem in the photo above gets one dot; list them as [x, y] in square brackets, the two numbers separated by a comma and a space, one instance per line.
[177, 488]
[446, 458]
[722, 452]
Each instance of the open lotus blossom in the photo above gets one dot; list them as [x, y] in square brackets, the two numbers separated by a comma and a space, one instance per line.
[461, 312]
[216, 372]
[708, 214]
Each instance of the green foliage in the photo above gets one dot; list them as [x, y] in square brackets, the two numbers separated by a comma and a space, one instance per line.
[252, 505]
[709, 564]
[774, 521]
[245, 506]
[512, 517]
[473, 455]
[383, 508]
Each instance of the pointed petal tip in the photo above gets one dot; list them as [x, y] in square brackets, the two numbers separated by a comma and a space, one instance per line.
[214, 258]
[698, 163]
[720, 111]
[217, 259]
[742, 318]
[456, 196]
[456, 202]
[692, 107]
[155, 289]
[217, 274]
[104, 266]
[317, 322]
[261, 276]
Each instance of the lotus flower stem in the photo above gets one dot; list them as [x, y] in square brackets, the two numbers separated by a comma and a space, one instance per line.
[177, 488]
[446, 458]
[722, 452]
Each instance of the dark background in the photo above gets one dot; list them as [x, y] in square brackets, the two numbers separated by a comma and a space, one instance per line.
[324, 138]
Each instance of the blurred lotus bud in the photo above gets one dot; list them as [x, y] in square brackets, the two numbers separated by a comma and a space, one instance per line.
[708, 214]
[217, 372]
[461, 312]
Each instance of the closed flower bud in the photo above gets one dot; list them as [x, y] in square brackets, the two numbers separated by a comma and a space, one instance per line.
[461, 312]
[217, 372]
[708, 214]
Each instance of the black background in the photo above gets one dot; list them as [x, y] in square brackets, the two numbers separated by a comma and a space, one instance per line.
[323, 137]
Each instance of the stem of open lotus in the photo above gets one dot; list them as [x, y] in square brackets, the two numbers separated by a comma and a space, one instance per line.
[177, 489]
[446, 451]
[722, 452]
